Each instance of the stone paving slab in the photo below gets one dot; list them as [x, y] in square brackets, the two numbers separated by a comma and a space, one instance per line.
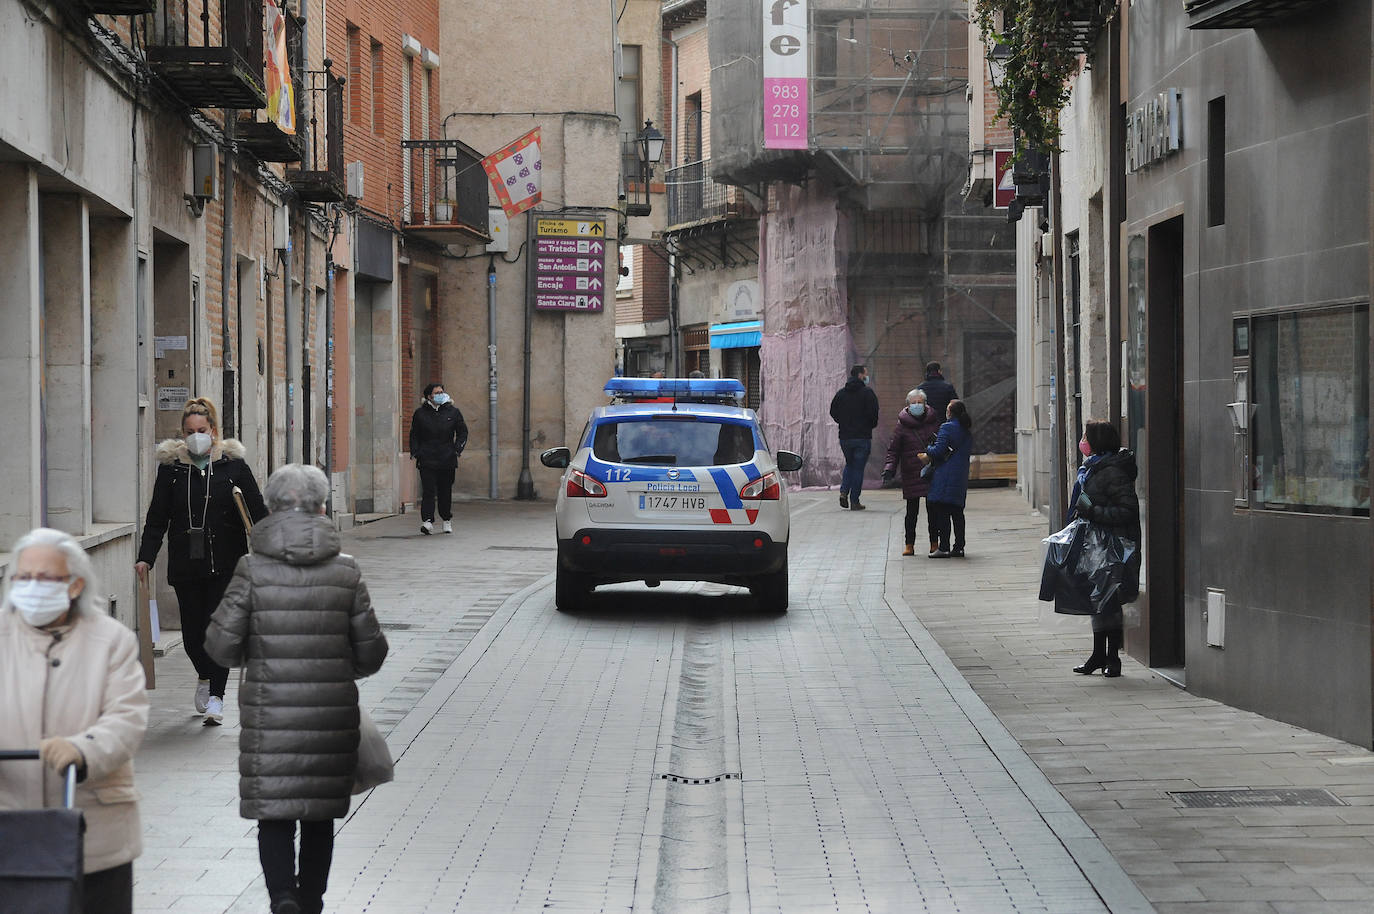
[1118, 748]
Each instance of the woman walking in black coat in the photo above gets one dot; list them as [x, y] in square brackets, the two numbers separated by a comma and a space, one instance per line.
[298, 618]
[193, 507]
[1105, 495]
[438, 435]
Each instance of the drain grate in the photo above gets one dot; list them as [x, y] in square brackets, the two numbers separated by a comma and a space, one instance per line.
[395, 626]
[1252, 796]
[678, 779]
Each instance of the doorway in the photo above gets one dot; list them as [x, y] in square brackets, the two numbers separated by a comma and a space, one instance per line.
[1162, 440]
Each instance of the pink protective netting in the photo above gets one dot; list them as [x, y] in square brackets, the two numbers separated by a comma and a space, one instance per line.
[806, 350]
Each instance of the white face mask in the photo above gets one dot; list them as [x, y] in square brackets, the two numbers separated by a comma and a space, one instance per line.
[917, 409]
[441, 399]
[198, 444]
[40, 602]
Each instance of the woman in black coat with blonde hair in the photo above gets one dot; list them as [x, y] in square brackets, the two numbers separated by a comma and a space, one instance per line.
[1105, 495]
[193, 508]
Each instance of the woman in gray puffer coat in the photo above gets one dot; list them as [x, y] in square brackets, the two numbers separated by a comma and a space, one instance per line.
[297, 617]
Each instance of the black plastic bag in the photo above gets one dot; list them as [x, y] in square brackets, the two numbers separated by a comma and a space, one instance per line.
[1089, 569]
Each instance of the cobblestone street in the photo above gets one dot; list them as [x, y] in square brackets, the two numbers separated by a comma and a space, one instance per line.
[908, 737]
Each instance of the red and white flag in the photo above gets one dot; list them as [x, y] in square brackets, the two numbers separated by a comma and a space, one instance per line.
[514, 171]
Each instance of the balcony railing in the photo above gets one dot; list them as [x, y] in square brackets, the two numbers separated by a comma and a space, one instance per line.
[693, 197]
[321, 176]
[445, 193]
[265, 138]
[208, 66]
[121, 7]
[1242, 14]
[1083, 21]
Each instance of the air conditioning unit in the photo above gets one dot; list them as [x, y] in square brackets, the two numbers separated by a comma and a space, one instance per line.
[355, 180]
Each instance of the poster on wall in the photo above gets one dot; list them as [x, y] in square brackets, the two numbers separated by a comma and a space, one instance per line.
[785, 90]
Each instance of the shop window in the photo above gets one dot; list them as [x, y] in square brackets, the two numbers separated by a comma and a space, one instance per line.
[1310, 378]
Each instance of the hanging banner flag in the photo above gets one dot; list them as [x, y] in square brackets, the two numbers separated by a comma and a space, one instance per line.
[785, 90]
[514, 171]
[281, 99]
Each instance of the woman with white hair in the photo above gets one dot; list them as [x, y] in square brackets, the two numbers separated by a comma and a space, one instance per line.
[72, 685]
[297, 618]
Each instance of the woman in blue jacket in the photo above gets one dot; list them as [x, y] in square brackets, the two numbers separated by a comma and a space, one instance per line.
[947, 460]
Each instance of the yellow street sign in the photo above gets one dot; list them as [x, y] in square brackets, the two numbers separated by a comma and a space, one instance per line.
[570, 227]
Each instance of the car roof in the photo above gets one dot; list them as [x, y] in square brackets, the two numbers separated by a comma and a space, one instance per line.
[642, 410]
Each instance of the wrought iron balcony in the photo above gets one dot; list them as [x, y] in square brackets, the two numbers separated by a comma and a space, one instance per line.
[445, 192]
[208, 66]
[121, 7]
[267, 139]
[1243, 14]
[1083, 21]
[321, 177]
[694, 198]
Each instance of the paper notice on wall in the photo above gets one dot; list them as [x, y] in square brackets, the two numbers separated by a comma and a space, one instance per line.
[153, 627]
[164, 344]
[170, 398]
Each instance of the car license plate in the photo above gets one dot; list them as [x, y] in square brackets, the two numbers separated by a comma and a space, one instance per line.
[670, 503]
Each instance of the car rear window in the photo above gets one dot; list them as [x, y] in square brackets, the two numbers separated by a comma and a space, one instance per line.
[673, 442]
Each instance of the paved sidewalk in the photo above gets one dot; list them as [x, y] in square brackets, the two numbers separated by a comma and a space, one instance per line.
[1121, 751]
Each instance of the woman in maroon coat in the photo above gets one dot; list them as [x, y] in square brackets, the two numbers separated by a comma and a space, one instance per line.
[917, 426]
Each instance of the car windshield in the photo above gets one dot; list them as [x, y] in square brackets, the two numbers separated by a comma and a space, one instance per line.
[673, 442]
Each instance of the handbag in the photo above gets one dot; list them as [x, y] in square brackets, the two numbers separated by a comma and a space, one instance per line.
[374, 758]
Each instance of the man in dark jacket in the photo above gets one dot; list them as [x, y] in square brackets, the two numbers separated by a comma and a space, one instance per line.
[938, 391]
[855, 408]
[438, 435]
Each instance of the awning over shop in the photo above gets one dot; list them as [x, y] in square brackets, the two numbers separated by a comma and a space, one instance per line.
[738, 335]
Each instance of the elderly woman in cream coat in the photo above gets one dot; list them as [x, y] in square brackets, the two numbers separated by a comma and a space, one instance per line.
[71, 684]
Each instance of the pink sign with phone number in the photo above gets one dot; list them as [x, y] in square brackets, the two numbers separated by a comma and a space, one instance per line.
[784, 113]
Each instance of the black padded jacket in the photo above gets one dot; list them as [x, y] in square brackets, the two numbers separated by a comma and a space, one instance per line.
[297, 617]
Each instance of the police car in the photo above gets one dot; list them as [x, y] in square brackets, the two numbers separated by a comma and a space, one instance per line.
[672, 482]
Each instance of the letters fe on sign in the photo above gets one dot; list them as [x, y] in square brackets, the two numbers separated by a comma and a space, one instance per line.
[569, 264]
[785, 51]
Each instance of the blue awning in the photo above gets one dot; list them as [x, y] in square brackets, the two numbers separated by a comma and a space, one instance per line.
[737, 335]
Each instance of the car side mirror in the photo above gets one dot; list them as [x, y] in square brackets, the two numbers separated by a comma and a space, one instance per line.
[789, 462]
[556, 458]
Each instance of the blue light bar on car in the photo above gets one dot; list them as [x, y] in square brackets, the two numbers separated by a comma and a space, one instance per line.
[674, 388]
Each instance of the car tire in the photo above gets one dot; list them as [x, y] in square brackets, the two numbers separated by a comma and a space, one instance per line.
[771, 590]
[570, 590]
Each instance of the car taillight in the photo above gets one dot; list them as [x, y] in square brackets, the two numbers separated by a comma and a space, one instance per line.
[765, 488]
[580, 485]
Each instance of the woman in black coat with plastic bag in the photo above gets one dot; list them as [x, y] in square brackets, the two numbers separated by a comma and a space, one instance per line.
[1105, 495]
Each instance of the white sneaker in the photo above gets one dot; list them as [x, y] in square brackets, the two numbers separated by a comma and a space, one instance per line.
[202, 695]
[427, 527]
[214, 711]
[448, 526]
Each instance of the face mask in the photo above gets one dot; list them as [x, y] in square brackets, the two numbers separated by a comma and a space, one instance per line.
[40, 602]
[441, 399]
[1085, 449]
[917, 409]
[865, 380]
[198, 444]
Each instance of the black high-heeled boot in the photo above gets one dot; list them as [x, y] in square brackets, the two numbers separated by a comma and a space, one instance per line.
[1113, 663]
[1099, 656]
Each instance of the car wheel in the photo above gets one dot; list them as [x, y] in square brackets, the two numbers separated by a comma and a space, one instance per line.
[570, 590]
[771, 590]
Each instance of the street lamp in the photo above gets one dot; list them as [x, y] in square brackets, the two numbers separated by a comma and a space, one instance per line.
[650, 142]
